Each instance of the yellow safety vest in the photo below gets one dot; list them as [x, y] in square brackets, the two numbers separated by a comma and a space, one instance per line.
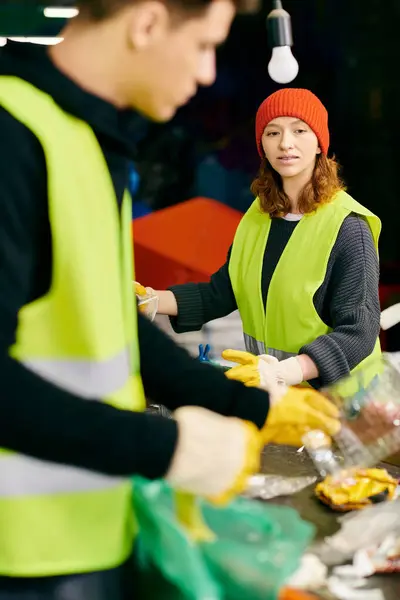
[81, 336]
[290, 320]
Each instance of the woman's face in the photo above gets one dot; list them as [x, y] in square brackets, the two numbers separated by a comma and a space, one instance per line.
[290, 146]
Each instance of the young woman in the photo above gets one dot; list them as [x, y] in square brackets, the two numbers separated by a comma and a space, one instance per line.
[303, 268]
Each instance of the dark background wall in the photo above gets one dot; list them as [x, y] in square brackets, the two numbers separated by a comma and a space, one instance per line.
[349, 56]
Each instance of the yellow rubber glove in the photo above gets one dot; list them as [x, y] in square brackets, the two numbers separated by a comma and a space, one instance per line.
[140, 290]
[300, 410]
[255, 372]
[356, 491]
[189, 515]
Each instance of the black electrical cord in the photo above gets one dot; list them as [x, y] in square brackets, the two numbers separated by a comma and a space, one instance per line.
[279, 26]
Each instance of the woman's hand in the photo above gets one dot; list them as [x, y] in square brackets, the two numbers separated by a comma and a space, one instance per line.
[167, 304]
[266, 371]
[255, 372]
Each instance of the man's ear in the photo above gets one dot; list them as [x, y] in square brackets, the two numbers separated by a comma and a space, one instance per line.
[148, 23]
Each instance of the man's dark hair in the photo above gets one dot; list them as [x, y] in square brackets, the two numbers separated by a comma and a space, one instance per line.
[101, 9]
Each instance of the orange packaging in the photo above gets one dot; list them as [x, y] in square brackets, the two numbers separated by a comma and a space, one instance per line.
[292, 594]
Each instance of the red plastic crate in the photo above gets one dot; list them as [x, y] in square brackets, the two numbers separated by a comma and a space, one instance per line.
[183, 243]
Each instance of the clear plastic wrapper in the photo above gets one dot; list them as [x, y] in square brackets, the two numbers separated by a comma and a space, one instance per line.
[369, 404]
[383, 558]
[265, 487]
[147, 303]
[359, 531]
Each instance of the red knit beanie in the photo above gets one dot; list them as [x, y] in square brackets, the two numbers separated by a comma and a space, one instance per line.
[298, 103]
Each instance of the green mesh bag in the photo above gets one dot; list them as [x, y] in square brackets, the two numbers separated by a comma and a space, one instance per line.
[244, 550]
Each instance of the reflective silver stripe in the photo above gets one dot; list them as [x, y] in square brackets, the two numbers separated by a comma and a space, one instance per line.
[256, 347]
[253, 346]
[24, 476]
[85, 378]
[280, 354]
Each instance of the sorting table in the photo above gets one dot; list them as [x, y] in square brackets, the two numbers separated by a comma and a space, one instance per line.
[286, 461]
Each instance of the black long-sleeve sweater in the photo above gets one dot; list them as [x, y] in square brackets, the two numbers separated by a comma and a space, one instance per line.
[347, 301]
[37, 417]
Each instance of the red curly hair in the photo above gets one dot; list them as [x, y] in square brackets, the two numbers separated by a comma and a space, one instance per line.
[322, 187]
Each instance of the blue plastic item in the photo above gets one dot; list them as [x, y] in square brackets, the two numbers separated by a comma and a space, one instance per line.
[204, 352]
[204, 356]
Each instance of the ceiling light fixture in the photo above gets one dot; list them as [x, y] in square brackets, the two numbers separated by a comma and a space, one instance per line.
[283, 67]
[59, 12]
[44, 41]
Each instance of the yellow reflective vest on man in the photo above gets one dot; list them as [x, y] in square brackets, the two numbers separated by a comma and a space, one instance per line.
[81, 336]
[290, 320]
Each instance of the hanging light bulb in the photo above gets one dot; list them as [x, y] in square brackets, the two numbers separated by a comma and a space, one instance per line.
[283, 67]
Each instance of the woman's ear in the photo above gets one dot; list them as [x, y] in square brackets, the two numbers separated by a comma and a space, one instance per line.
[318, 150]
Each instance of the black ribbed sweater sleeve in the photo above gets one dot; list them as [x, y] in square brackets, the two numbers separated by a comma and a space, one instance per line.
[173, 378]
[348, 301]
[199, 303]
